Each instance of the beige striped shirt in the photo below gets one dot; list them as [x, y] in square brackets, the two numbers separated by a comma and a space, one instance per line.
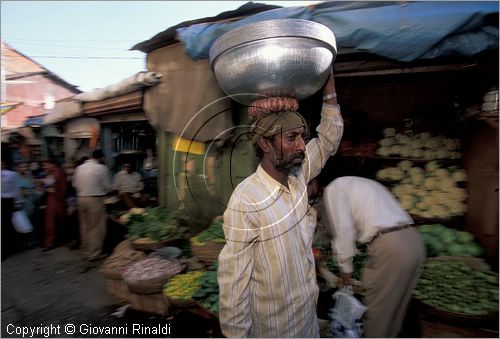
[266, 270]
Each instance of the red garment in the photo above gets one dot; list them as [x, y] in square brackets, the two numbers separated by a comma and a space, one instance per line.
[55, 209]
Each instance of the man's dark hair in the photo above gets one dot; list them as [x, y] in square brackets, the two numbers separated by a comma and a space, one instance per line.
[97, 154]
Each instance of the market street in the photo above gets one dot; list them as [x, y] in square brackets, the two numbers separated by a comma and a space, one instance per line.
[52, 290]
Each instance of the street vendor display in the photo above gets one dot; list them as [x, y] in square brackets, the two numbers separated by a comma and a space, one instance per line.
[266, 273]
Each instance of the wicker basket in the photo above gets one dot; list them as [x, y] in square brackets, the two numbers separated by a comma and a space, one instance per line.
[207, 253]
[118, 289]
[455, 318]
[151, 303]
[151, 285]
[202, 311]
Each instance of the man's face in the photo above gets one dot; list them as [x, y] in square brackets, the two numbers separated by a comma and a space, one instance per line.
[289, 150]
[127, 168]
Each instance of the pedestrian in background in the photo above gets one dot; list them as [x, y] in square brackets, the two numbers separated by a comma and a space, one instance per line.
[11, 200]
[92, 181]
[55, 207]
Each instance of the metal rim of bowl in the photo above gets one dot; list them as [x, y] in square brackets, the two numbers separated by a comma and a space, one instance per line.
[272, 29]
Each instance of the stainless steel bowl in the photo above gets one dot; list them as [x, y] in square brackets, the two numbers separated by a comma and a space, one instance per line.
[284, 57]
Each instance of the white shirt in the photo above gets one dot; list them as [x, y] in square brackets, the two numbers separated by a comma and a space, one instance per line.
[357, 208]
[127, 182]
[92, 179]
[9, 185]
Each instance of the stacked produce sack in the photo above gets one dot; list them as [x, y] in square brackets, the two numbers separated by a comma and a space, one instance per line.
[420, 146]
[429, 192]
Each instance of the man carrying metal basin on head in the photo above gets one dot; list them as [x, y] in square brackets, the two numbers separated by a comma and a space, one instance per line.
[266, 271]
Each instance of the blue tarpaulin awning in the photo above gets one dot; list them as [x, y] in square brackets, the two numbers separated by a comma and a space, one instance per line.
[402, 31]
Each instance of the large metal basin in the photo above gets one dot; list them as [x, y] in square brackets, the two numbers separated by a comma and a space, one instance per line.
[284, 57]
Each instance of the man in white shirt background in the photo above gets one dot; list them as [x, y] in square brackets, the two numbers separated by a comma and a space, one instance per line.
[129, 185]
[11, 198]
[364, 211]
[92, 181]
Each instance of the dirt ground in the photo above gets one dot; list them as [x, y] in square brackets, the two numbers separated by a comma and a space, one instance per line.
[48, 291]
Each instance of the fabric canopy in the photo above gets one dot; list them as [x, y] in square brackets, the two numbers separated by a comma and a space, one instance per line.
[403, 31]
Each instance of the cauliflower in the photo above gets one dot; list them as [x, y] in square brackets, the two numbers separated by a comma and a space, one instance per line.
[405, 165]
[384, 151]
[405, 151]
[429, 154]
[387, 142]
[416, 144]
[443, 154]
[396, 149]
[431, 166]
[425, 135]
[417, 178]
[441, 173]
[459, 175]
[432, 143]
[417, 153]
[431, 183]
[124, 218]
[396, 174]
[402, 139]
[137, 211]
[389, 132]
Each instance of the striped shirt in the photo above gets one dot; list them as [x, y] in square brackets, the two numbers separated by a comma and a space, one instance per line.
[266, 272]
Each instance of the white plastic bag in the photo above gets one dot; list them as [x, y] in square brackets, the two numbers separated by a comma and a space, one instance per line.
[21, 222]
[346, 315]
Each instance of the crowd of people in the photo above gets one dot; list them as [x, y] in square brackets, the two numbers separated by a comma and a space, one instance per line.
[66, 204]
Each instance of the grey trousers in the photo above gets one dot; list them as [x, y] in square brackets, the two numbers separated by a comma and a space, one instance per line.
[93, 216]
[389, 278]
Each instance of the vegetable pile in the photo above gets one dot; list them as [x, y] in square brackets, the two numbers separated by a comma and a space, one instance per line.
[430, 192]
[458, 288]
[208, 293]
[151, 268]
[441, 241]
[358, 262]
[214, 233]
[420, 146]
[156, 223]
[183, 286]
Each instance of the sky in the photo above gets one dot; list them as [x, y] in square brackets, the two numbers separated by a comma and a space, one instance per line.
[87, 43]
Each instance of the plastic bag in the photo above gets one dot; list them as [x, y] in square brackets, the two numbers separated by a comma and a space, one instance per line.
[346, 315]
[21, 222]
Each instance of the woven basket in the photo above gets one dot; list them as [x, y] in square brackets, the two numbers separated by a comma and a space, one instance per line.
[114, 265]
[202, 311]
[207, 253]
[151, 285]
[118, 289]
[151, 303]
[455, 318]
